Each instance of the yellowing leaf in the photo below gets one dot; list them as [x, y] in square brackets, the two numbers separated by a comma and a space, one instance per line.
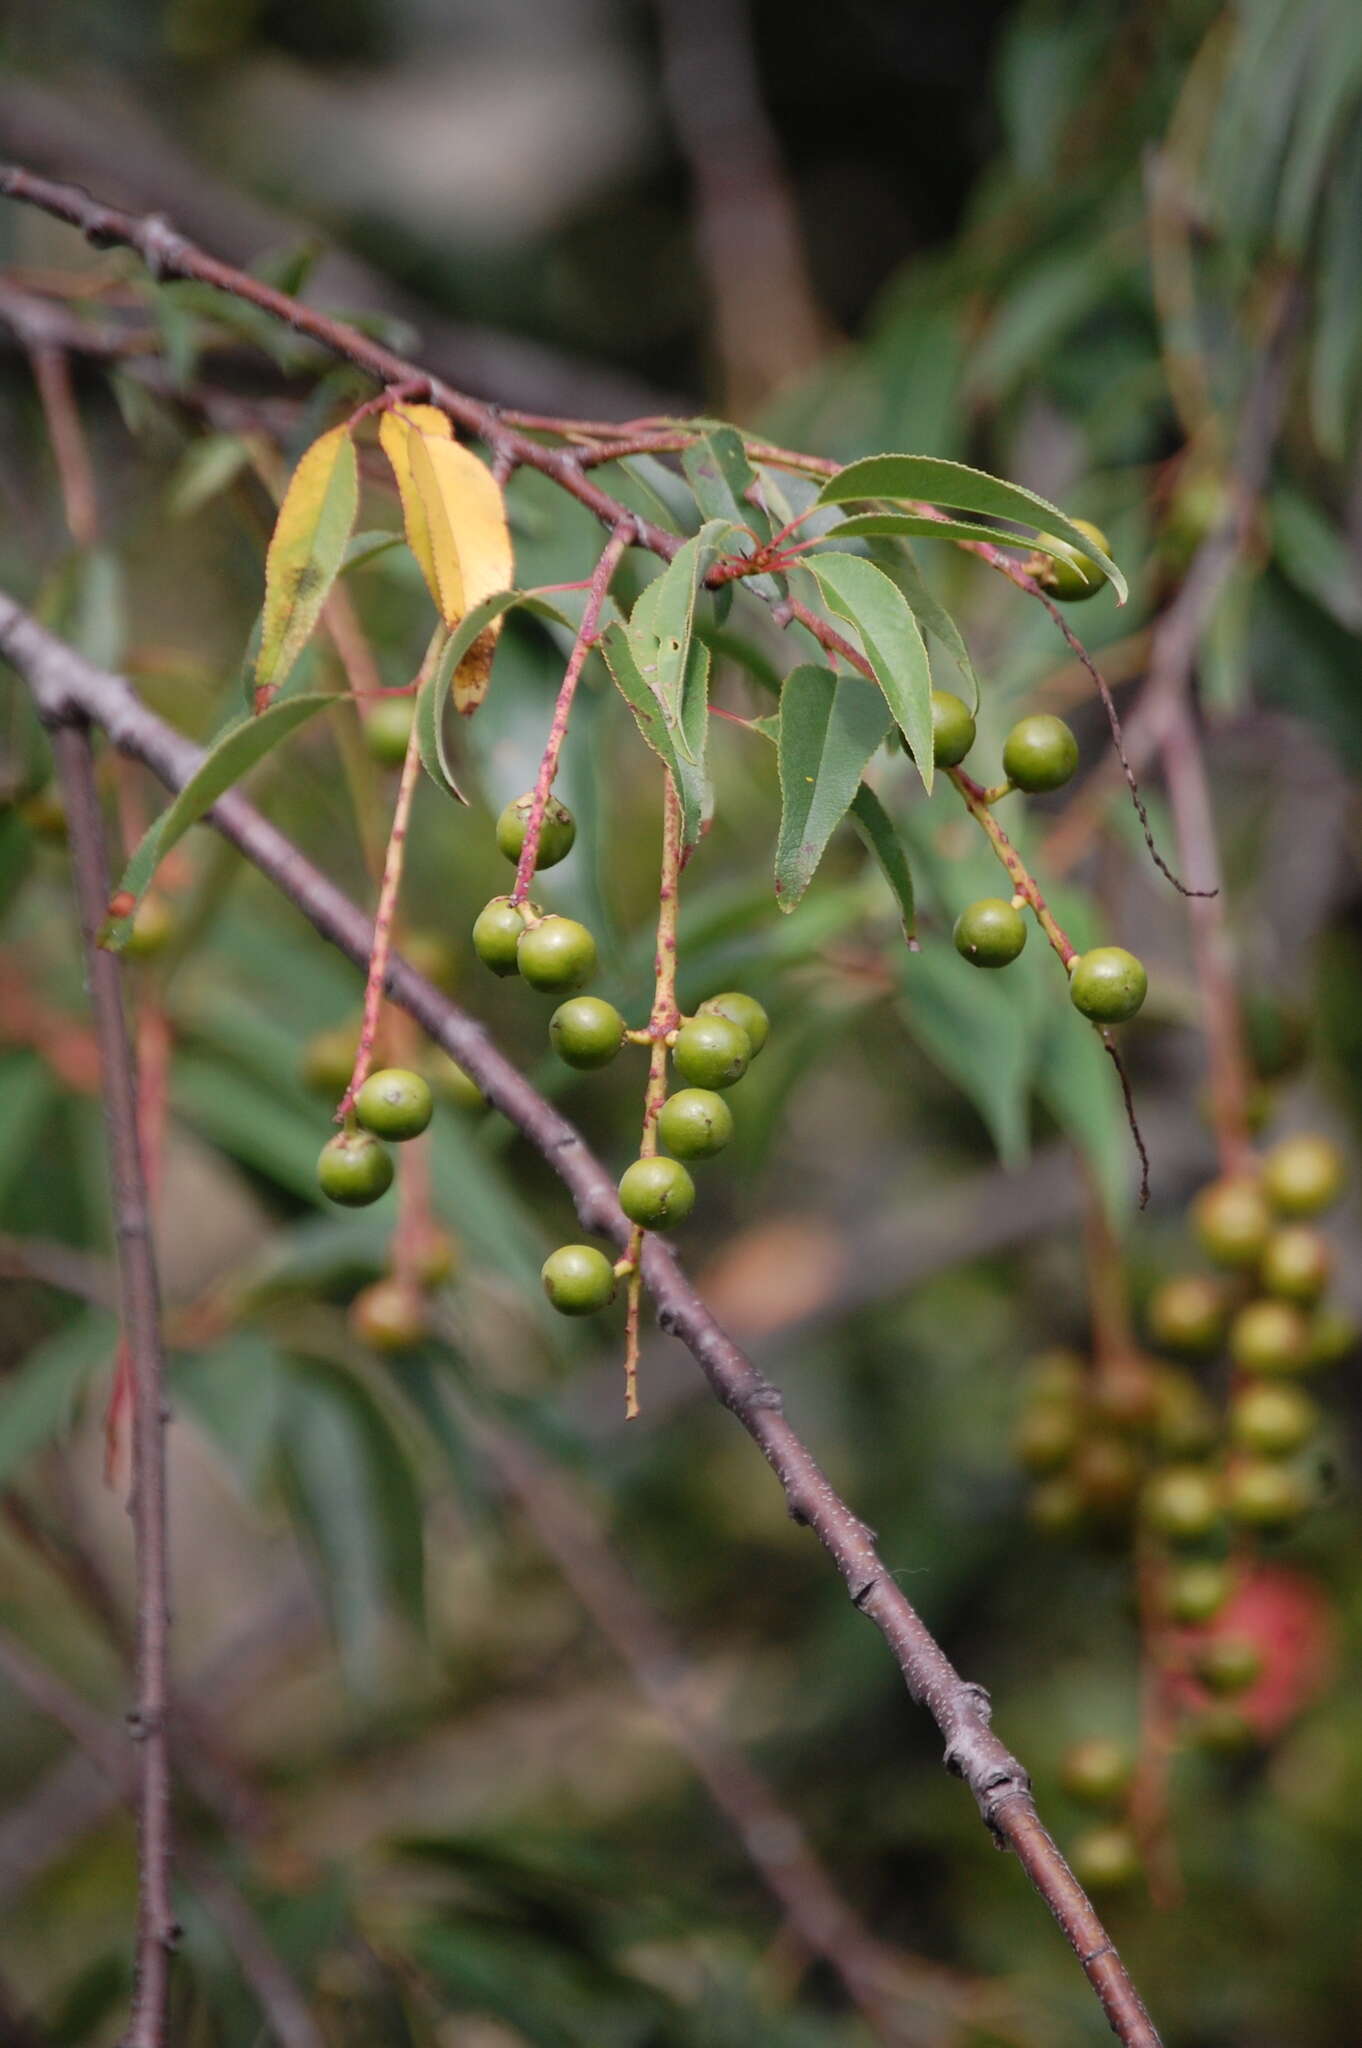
[396, 431]
[305, 553]
[471, 545]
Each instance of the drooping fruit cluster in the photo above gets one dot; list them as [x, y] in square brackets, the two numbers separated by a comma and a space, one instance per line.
[1138, 1449]
[1108, 984]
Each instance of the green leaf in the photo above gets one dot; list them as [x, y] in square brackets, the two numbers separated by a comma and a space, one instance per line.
[864, 525]
[890, 640]
[686, 768]
[896, 560]
[434, 692]
[366, 547]
[661, 630]
[1078, 1084]
[37, 1400]
[234, 1392]
[241, 747]
[205, 470]
[876, 827]
[350, 1483]
[933, 480]
[306, 551]
[829, 728]
[720, 475]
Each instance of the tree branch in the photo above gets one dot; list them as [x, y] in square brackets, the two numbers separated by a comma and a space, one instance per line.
[67, 687]
[139, 1315]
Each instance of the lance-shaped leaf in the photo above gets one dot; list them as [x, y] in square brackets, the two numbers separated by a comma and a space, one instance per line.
[234, 755]
[719, 473]
[896, 560]
[877, 829]
[469, 543]
[435, 690]
[829, 728]
[661, 634]
[890, 640]
[396, 430]
[932, 479]
[679, 743]
[921, 526]
[306, 552]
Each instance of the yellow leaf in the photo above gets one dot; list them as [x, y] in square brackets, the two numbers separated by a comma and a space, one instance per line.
[397, 429]
[305, 553]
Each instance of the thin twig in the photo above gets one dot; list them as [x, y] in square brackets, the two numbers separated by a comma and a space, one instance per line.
[52, 375]
[597, 591]
[280, 1999]
[139, 1306]
[66, 686]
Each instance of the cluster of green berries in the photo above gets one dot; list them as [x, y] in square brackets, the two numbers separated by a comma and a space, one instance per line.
[1040, 754]
[557, 956]
[710, 1051]
[355, 1167]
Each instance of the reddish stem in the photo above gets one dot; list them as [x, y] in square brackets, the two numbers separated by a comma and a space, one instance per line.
[383, 926]
[597, 590]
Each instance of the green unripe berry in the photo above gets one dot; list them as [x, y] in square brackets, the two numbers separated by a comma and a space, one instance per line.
[1296, 1264]
[1182, 1502]
[1055, 1507]
[390, 1316]
[497, 932]
[152, 927]
[354, 1169]
[1108, 984]
[1108, 1474]
[1106, 1859]
[1231, 1220]
[1270, 1337]
[394, 1103]
[1046, 1437]
[387, 730]
[1229, 1664]
[695, 1123]
[1039, 754]
[586, 1032]
[1070, 576]
[556, 833]
[1194, 1593]
[1186, 1425]
[1187, 1315]
[1262, 1494]
[952, 728]
[556, 955]
[711, 1051]
[1097, 1772]
[744, 1011]
[1221, 1730]
[578, 1279]
[657, 1193]
[1272, 1420]
[1303, 1175]
[989, 933]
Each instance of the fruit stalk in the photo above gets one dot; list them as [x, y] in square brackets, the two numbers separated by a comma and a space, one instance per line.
[393, 862]
[620, 538]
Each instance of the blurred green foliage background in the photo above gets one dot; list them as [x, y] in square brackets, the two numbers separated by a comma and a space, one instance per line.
[1060, 244]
